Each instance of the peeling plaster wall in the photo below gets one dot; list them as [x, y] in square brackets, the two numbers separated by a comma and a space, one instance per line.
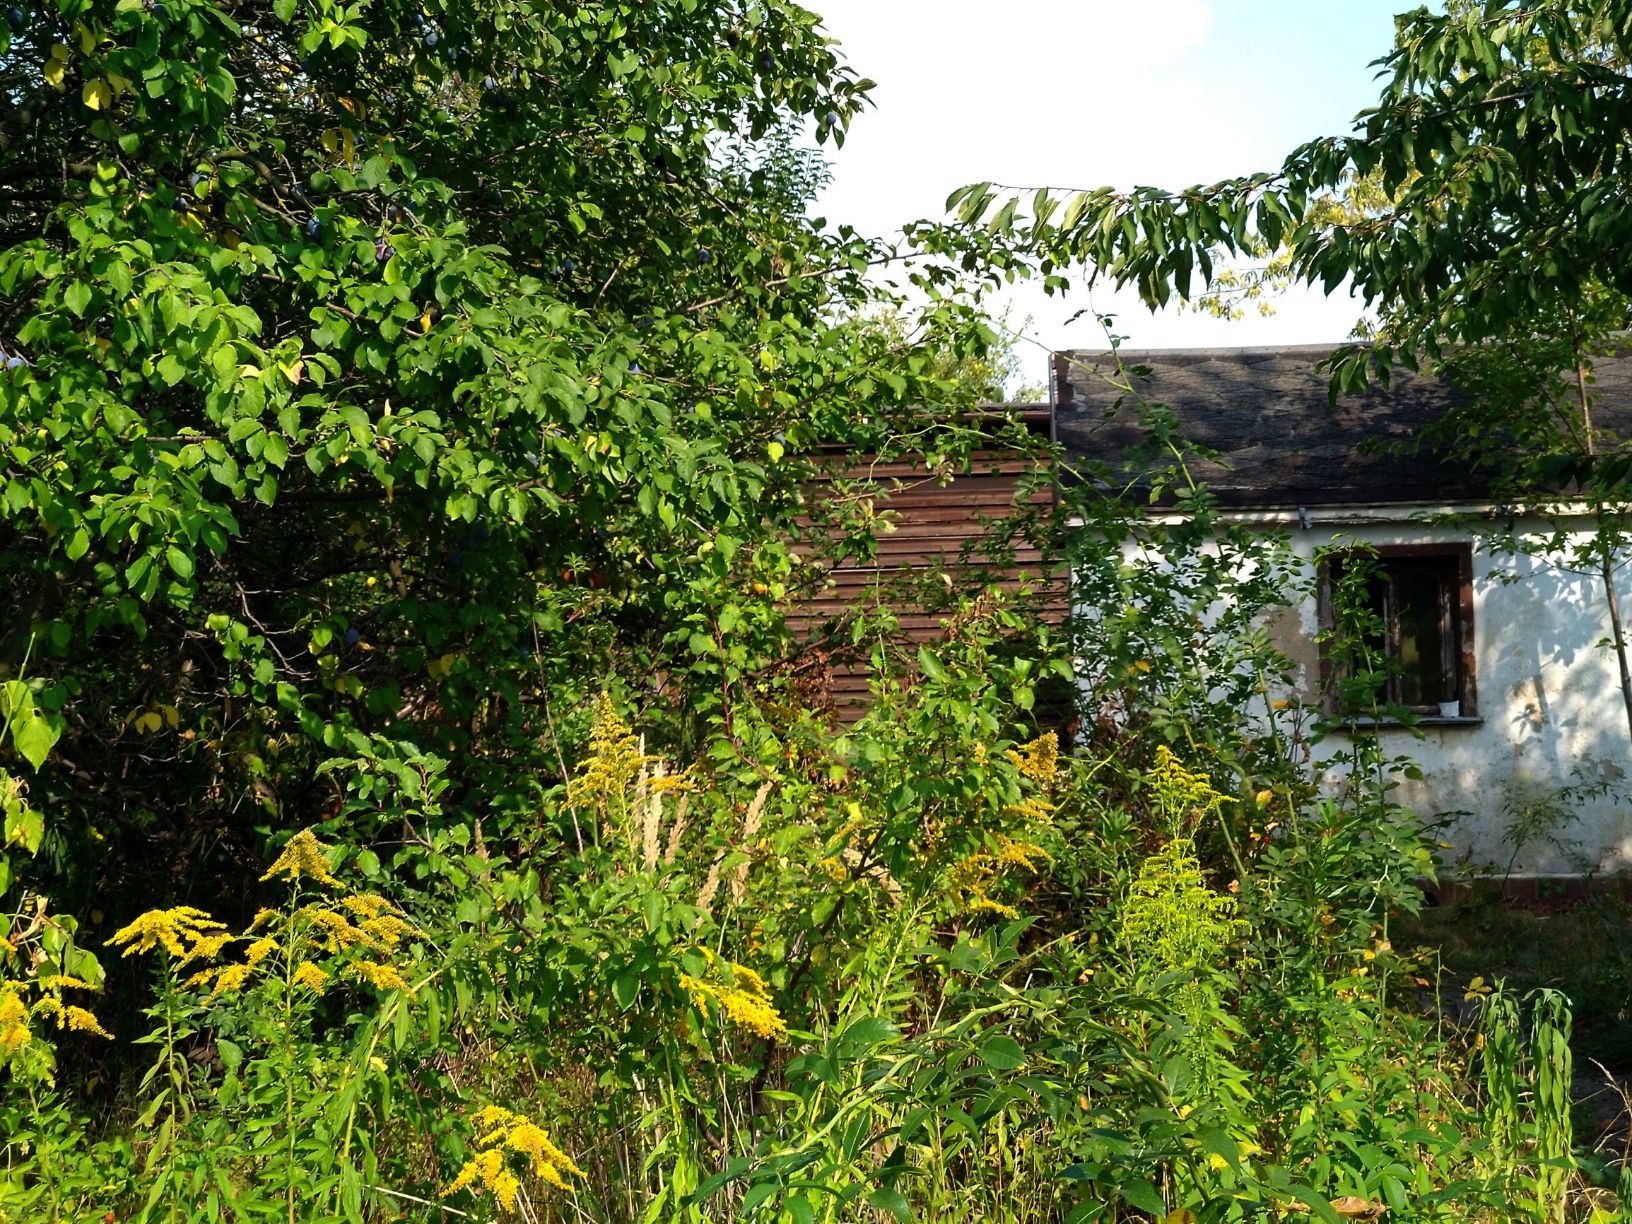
[1549, 699]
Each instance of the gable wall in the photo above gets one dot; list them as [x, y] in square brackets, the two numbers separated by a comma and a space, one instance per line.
[1549, 699]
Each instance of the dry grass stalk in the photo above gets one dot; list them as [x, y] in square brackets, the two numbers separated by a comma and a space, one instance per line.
[676, 831]
[750, 830]
[739, 884]
[711, 884]
[876, 871]
[650, 820]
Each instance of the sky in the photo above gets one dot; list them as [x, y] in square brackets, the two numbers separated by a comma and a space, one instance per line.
[1080, 93]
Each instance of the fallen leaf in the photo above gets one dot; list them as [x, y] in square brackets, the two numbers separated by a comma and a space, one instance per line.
[1352, 1208]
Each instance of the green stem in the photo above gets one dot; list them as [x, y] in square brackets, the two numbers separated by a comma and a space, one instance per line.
[287, 1053]
[44, 1149]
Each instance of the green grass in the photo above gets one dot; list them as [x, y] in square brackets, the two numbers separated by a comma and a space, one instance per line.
[1583, 948]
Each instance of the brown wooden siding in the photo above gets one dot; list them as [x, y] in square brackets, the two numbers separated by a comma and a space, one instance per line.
[935, 523]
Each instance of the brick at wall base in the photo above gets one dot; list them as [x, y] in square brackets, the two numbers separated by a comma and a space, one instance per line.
[1527, 891]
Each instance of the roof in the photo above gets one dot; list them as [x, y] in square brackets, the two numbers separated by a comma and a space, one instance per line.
[1265, 412]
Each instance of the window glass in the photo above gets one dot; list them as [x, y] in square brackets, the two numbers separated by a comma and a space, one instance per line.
[1419, 613]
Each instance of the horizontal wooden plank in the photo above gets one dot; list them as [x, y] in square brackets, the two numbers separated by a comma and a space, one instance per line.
[935, 520]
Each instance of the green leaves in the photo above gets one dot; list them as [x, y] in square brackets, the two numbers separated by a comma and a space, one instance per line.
[33, 732]
[1458, 202]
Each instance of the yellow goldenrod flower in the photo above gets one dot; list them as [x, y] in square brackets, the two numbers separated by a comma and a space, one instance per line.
[511, 1132]
[13, 1021]
[303, 855]
[61, 981]
[750, 980]
[752, 1012]
[1021, 854]
[534, 1142]
[506, 1186]
[81, 1021]
[263, 917]
[1181, 794]
[381, 977]
[492, 1115]
[202, 978]
[311, 977]
[232, 977]
[165, 928]
[334, 929]
[262, 948]
[1033, 810]
[367, 905]
[387, 930]
[748, 1004]
[981, 903]
[552, 1175]
[1038, 760]
[205, 947]
[483, 1167]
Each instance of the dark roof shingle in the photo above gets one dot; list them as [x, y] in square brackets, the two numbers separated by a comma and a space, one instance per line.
[1265, 412]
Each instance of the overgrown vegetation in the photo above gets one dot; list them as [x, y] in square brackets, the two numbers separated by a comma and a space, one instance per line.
[416, 806]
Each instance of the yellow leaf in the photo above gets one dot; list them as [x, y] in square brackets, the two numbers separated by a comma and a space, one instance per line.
[121, 84]
[292, 371]
[60, 51]
[248, 371]
[96, 95]
[54, 72]
[87, 40]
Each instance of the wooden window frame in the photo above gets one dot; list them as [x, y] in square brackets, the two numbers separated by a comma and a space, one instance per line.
[1457, 639]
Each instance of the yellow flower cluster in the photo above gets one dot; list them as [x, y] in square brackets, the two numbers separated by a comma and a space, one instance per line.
[228, 979]
[67, 1016]
[740, 995]
[504, 1133]
[13, 1020]
[1040, 759]
[613, 764]
[379, 976]
[1173, 919]
[167, 928]
[973, 877]
[358, 921]
[311, 977]
[1020, 854]
[15, 1010]
[1181, 795]
[303, 855]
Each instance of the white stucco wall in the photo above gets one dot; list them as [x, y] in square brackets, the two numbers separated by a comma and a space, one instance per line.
[1548, 694]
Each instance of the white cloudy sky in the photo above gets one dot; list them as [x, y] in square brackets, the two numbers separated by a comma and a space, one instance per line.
[1087, 92]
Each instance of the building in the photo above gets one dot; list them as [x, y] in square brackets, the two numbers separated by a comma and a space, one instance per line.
[1521, 732]
[966, 525]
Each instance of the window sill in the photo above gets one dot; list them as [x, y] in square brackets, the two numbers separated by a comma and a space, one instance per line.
[1427, 720]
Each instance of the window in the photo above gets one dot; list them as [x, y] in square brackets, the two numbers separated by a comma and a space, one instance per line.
[1419, 605]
